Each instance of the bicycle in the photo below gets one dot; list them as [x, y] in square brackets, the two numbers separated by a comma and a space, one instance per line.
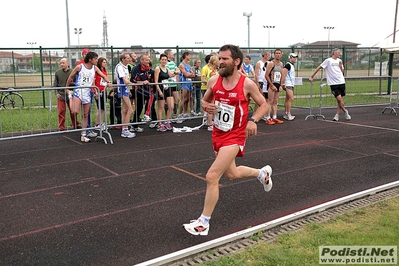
[11, 99]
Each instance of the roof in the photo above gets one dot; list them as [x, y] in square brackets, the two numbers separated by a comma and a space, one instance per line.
[331, 43]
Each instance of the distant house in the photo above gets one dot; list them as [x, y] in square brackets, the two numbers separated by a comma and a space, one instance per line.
[320, 50]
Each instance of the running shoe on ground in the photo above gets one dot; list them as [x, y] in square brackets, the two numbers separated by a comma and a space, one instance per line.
[266, 178]
[264, 118]
[152, 125]
[168, 126]
[347, 116]
[210, 128]
[146, 118]
[83, 138]
[127, 134]
[137, 129]
[289, 117]
[193, 113]
[270, 121]
[336, 117]
[278, 121]
[161, 128]
[196, 227]
[91, 134]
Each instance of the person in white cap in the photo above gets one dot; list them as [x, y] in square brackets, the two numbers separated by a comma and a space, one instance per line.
[288, 81]
[335, 79]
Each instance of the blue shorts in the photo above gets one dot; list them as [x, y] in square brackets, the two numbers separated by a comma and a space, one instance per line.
[187, 86]
[123, 91]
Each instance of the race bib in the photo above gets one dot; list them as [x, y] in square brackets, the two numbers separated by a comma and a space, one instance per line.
[276, 77]
[165, 84]
[224, 118]
[103, 82]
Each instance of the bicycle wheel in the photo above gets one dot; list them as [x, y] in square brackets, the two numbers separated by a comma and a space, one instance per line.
[13, 100]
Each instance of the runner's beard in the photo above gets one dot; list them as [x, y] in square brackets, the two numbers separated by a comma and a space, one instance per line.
[226, 70]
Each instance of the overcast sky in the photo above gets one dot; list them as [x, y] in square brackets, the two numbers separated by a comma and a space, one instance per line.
[183, 23]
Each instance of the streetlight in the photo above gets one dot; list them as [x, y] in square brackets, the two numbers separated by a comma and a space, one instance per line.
[78, 32]
[33, 56]
[248, 15]
[328, 42]
[268, 28]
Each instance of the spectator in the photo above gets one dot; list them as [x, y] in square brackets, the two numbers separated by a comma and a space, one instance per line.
[288, 81]
[122, 78]
[101, 94]
[164, 93]
[84, 74]
[141, 76]
[196, 94]
[60, 79]
[336, 80]
[273, 76]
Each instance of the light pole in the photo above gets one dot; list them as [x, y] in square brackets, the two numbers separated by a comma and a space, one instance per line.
[268, 28]
[328, 42]
[33, 56]
[78, 32]
[248, 15]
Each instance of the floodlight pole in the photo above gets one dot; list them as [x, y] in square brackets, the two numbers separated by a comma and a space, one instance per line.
[248, 15]
[268, 29]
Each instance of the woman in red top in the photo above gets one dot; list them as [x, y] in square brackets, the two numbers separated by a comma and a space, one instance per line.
[101, 94]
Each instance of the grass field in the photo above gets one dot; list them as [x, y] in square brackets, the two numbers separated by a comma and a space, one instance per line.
[375, 225]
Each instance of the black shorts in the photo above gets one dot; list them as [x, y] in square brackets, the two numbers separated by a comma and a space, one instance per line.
[101, 97]
[166, 93]
[174, 88]
[132, 94]
[266, 95]
[337, 90]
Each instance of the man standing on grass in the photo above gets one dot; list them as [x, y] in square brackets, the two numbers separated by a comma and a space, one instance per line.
[335, 79]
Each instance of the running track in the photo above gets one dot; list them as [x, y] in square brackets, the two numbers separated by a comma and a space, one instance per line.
[63, 202]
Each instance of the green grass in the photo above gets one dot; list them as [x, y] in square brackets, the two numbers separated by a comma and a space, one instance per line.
[375, 225]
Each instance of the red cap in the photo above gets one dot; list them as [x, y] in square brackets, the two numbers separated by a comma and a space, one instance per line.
[85, 51]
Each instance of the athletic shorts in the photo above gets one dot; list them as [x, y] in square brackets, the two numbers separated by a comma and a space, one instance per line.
[102, 99]
[337, 90]
[173, 88]
[123, 91]
[289, 88]
[266, 95]
[217, 145]
[84, 94]
[187, 86]
[166, 93]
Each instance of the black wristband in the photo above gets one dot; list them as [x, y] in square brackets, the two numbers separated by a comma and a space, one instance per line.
[253, 120]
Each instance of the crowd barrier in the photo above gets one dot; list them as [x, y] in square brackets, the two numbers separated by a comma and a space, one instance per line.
[36, 114]
[29, 116]
[360, 91]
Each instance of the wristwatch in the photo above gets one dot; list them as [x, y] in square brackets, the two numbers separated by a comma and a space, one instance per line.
[253, 120]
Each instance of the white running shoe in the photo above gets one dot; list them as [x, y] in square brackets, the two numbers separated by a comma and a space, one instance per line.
[210, 128]
[347, 116]
[267, 172]
[197, 228]
[127, 134]
[336, 117]
[146, 118]
[193, 113]
[83, 138]
[152, 125]
[92, 134]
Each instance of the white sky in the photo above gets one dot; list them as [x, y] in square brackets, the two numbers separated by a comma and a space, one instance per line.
[179, 22]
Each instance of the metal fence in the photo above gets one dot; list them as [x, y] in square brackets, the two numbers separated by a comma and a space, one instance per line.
[34, 110]
[35, 67]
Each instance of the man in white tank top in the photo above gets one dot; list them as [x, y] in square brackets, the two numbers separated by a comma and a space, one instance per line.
[288, 83]
[260, 71]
